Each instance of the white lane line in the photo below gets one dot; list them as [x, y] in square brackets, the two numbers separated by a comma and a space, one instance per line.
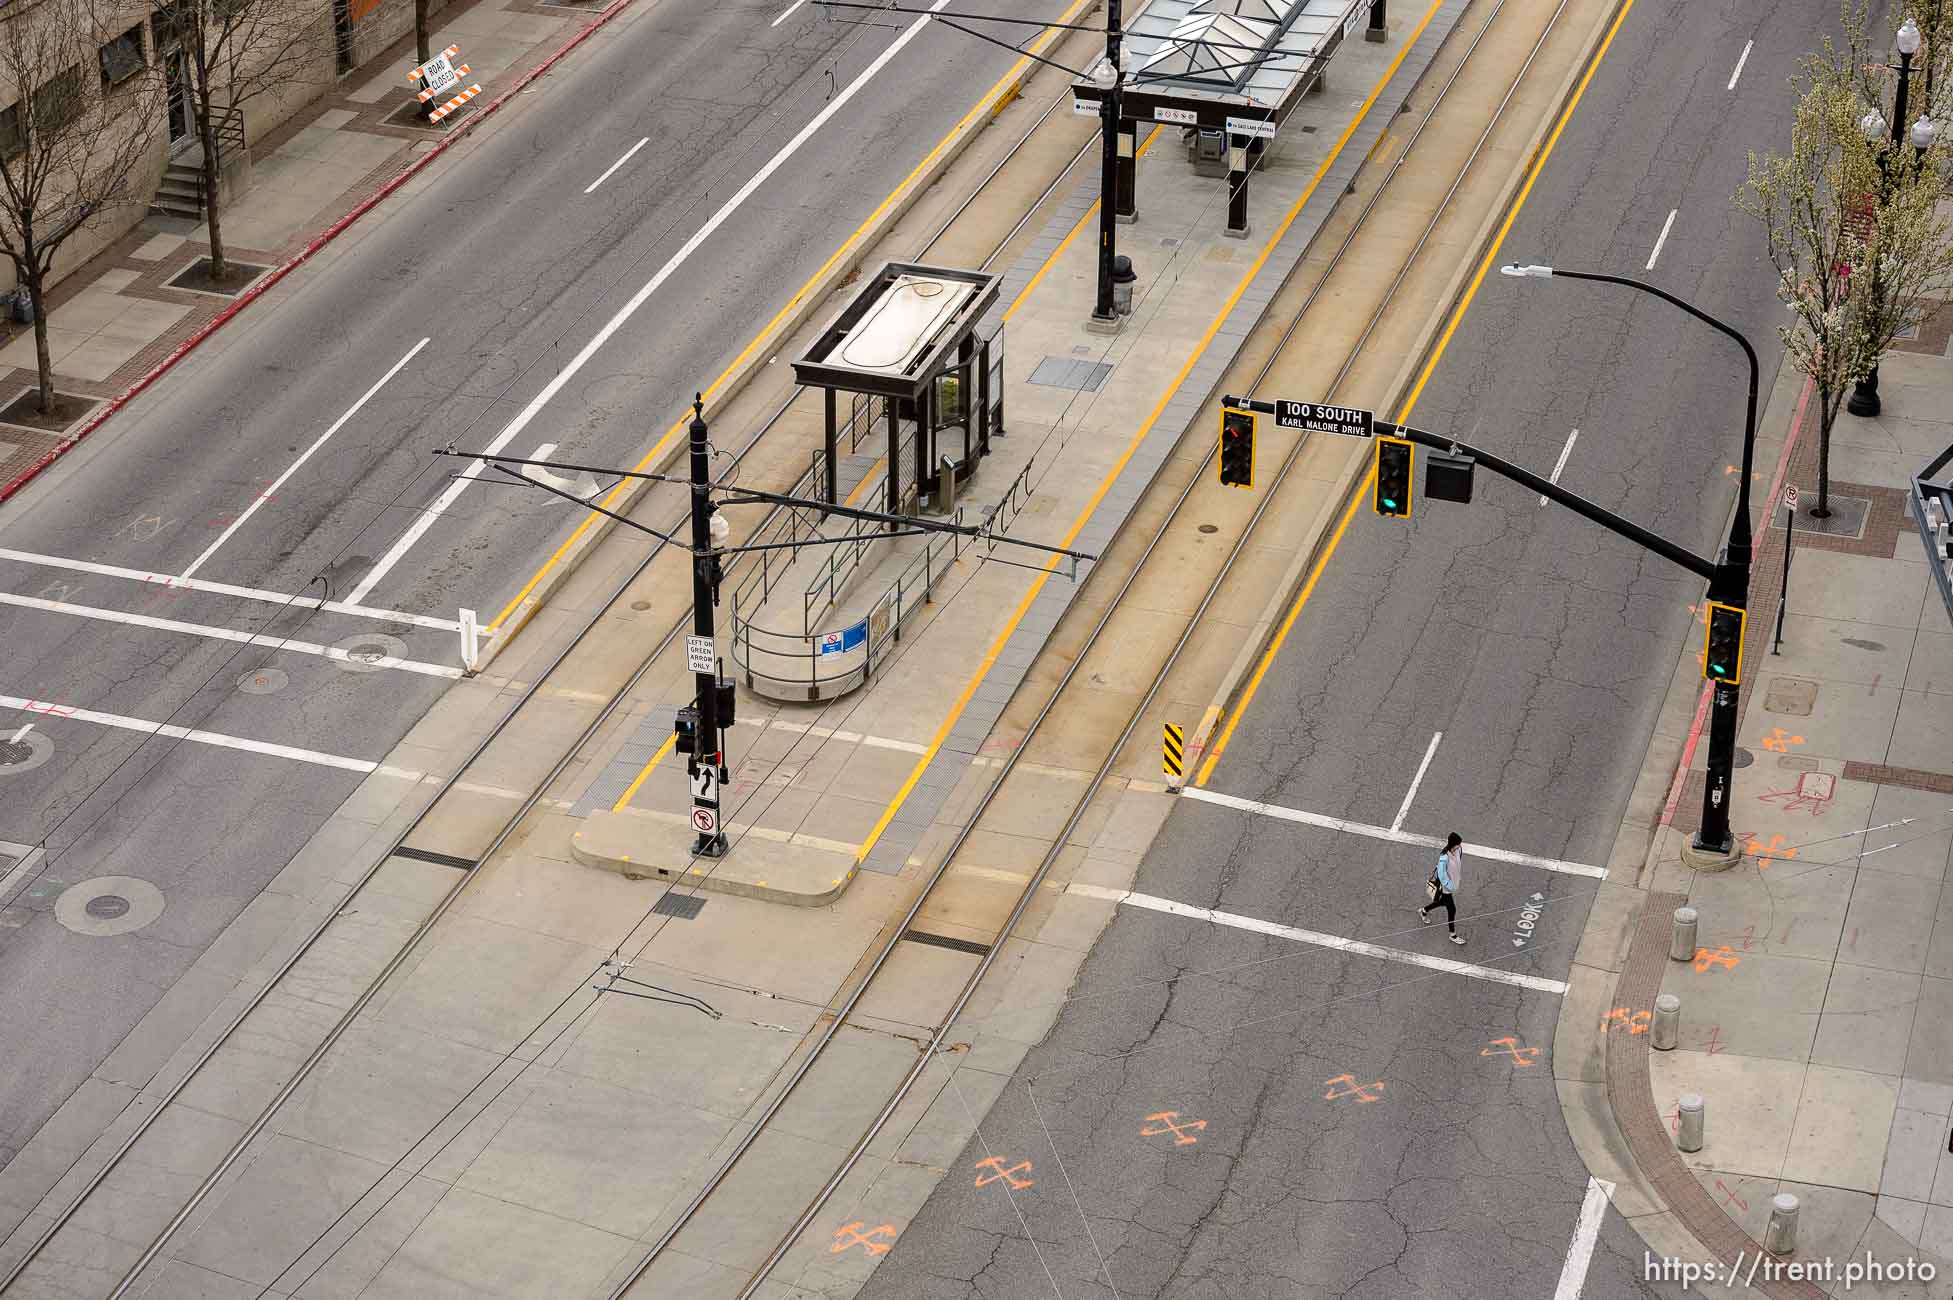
[219, 633]
[1385, 833]
[306, 455]
[1739, 64]
[28, 855]
[171, 585]
[788, 14]
[476, 468]
[20, 735]
[1573, 1274]
[1560, 464]
[614, 166]
[1403, 810]
[1337, 942]
[1661, 239]
[217, 738]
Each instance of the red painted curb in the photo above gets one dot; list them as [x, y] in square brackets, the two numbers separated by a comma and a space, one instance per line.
[304, 255]
[1702, 704]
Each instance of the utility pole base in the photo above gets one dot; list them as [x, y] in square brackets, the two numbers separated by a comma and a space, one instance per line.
[1710, 859]
[1242, 233]
[1100, 325]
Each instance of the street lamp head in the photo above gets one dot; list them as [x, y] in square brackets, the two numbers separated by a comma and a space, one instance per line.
[1104, 75]
[1909, 38]
[1924, 132]
[1525, 272]
[719, 528]
[1873, 126]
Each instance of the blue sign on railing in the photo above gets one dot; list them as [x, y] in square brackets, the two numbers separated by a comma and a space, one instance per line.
[848, 638]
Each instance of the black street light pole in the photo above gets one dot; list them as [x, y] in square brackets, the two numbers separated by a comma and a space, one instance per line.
[1104, 310]
[705, 594]
[1731, 583]
[1864, 394]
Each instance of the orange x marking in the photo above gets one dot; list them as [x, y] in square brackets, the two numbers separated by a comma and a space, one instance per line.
[1183, 1134]
[1724, 957]
[1636, 1022]
[1009, 1175]
[1779, 740]
[1510, 1047]
[1766, 853]
[1361, 1091]
[865, 1240]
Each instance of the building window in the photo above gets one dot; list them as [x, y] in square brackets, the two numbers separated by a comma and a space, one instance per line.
[122, 58]
[58, 101]
[12, 143]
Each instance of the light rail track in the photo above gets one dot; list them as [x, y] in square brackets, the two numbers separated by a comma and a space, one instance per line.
[841, 1017]
[468, 864]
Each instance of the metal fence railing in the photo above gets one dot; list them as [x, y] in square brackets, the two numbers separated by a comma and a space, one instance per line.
[1932, 511]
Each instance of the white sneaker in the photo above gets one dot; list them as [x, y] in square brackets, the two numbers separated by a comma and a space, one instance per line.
[1458, 939]
[1423, 917]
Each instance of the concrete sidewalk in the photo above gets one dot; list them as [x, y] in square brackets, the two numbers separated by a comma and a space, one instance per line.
[1817, 1007]
[116, 318]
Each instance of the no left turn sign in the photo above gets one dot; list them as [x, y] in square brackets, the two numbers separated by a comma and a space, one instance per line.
[705, 820]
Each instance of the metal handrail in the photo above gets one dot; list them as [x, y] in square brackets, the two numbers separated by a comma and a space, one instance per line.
[1935, 536]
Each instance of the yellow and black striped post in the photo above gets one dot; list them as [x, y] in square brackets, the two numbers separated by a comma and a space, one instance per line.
[1173, 756]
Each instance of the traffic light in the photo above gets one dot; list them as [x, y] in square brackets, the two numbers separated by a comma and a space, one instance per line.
[1723, 658]
[1393, 477]
[1237, 447]
[684, 730]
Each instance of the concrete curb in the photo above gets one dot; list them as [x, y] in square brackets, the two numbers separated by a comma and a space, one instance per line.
[304, 255]
[1306, 556]
[796, 874]
[811, 298]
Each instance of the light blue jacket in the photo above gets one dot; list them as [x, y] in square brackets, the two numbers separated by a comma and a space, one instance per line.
[1448, 873]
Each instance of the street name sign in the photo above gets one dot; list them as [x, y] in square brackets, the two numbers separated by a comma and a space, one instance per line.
[1320, 417]
[699, 655]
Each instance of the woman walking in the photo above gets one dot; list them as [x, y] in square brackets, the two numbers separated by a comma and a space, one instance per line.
[1444, 886]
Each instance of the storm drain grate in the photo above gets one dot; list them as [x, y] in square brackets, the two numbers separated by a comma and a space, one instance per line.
[682, 906]
[1064, 372]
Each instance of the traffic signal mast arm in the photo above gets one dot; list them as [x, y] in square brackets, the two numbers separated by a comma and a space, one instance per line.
[1547, 488]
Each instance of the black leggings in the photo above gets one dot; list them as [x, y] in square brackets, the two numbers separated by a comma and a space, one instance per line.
[1450, 907]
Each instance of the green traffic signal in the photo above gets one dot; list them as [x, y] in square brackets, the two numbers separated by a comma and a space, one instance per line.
[1393, 478]
[1722, 651]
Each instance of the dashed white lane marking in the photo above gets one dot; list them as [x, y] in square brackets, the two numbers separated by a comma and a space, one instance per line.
[845, 737]
[1385, 833]
[306, 455]
[1403, 810]
[1580, 1253]
[1560, 464]
[788, 14]
[1739, 64]
[219, 633]
[591, 187]
[476, 468]
[316, 757]
[1661, 239]
[1338, 943]
[167, 583]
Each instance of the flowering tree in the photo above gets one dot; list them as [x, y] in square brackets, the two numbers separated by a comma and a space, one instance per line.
[1854, 232]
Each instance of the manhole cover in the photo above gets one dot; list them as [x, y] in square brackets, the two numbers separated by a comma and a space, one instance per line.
[263, 681]
[1791, 696]
[23, 750]
[640, 605]
[1209, 528]
[108, 906]
[1742, 758]
[369, 652]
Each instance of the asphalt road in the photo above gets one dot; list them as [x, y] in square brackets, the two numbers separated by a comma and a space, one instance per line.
[1370, 1127]
[502, 263]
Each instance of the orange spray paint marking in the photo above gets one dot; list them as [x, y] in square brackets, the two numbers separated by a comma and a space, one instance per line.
[1521, 1056]
[1635, 1022]
[1774, 851]
[1779, 741]
[866, 1240]
[1183, 1134]
[1724, 957]
[1009, 1175]
[1715, 1040]
[1729, 1197]
[1363, 1092]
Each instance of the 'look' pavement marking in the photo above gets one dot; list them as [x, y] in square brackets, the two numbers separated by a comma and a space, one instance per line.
[1358, 947]
[1219, 747]
[272, 490]
[169, 583]
[172, 731]
[1390, 833]
[267, 640]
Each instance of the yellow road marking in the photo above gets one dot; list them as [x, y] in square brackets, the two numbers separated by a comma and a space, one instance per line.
[1417, 390]
[1105, 484]
[982, 105]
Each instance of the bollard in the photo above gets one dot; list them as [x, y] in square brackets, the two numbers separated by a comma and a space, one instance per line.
[1689, 1134]
[1681, 940]
[1781, 1236]
[1668, 1022]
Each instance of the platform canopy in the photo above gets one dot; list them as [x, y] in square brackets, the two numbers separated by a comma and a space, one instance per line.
[1234, 65]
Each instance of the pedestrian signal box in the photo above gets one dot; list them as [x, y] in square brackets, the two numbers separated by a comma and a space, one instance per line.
[1237, 447]
[1723, 657]
[1393, 478]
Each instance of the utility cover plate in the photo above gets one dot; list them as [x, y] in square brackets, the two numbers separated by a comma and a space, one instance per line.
[1791, 696]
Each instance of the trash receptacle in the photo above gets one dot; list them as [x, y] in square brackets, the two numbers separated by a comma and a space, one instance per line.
[1123, 277]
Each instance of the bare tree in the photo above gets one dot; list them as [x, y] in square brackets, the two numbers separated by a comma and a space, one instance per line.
[1853, 228]
[236, 51]
[71, 142]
